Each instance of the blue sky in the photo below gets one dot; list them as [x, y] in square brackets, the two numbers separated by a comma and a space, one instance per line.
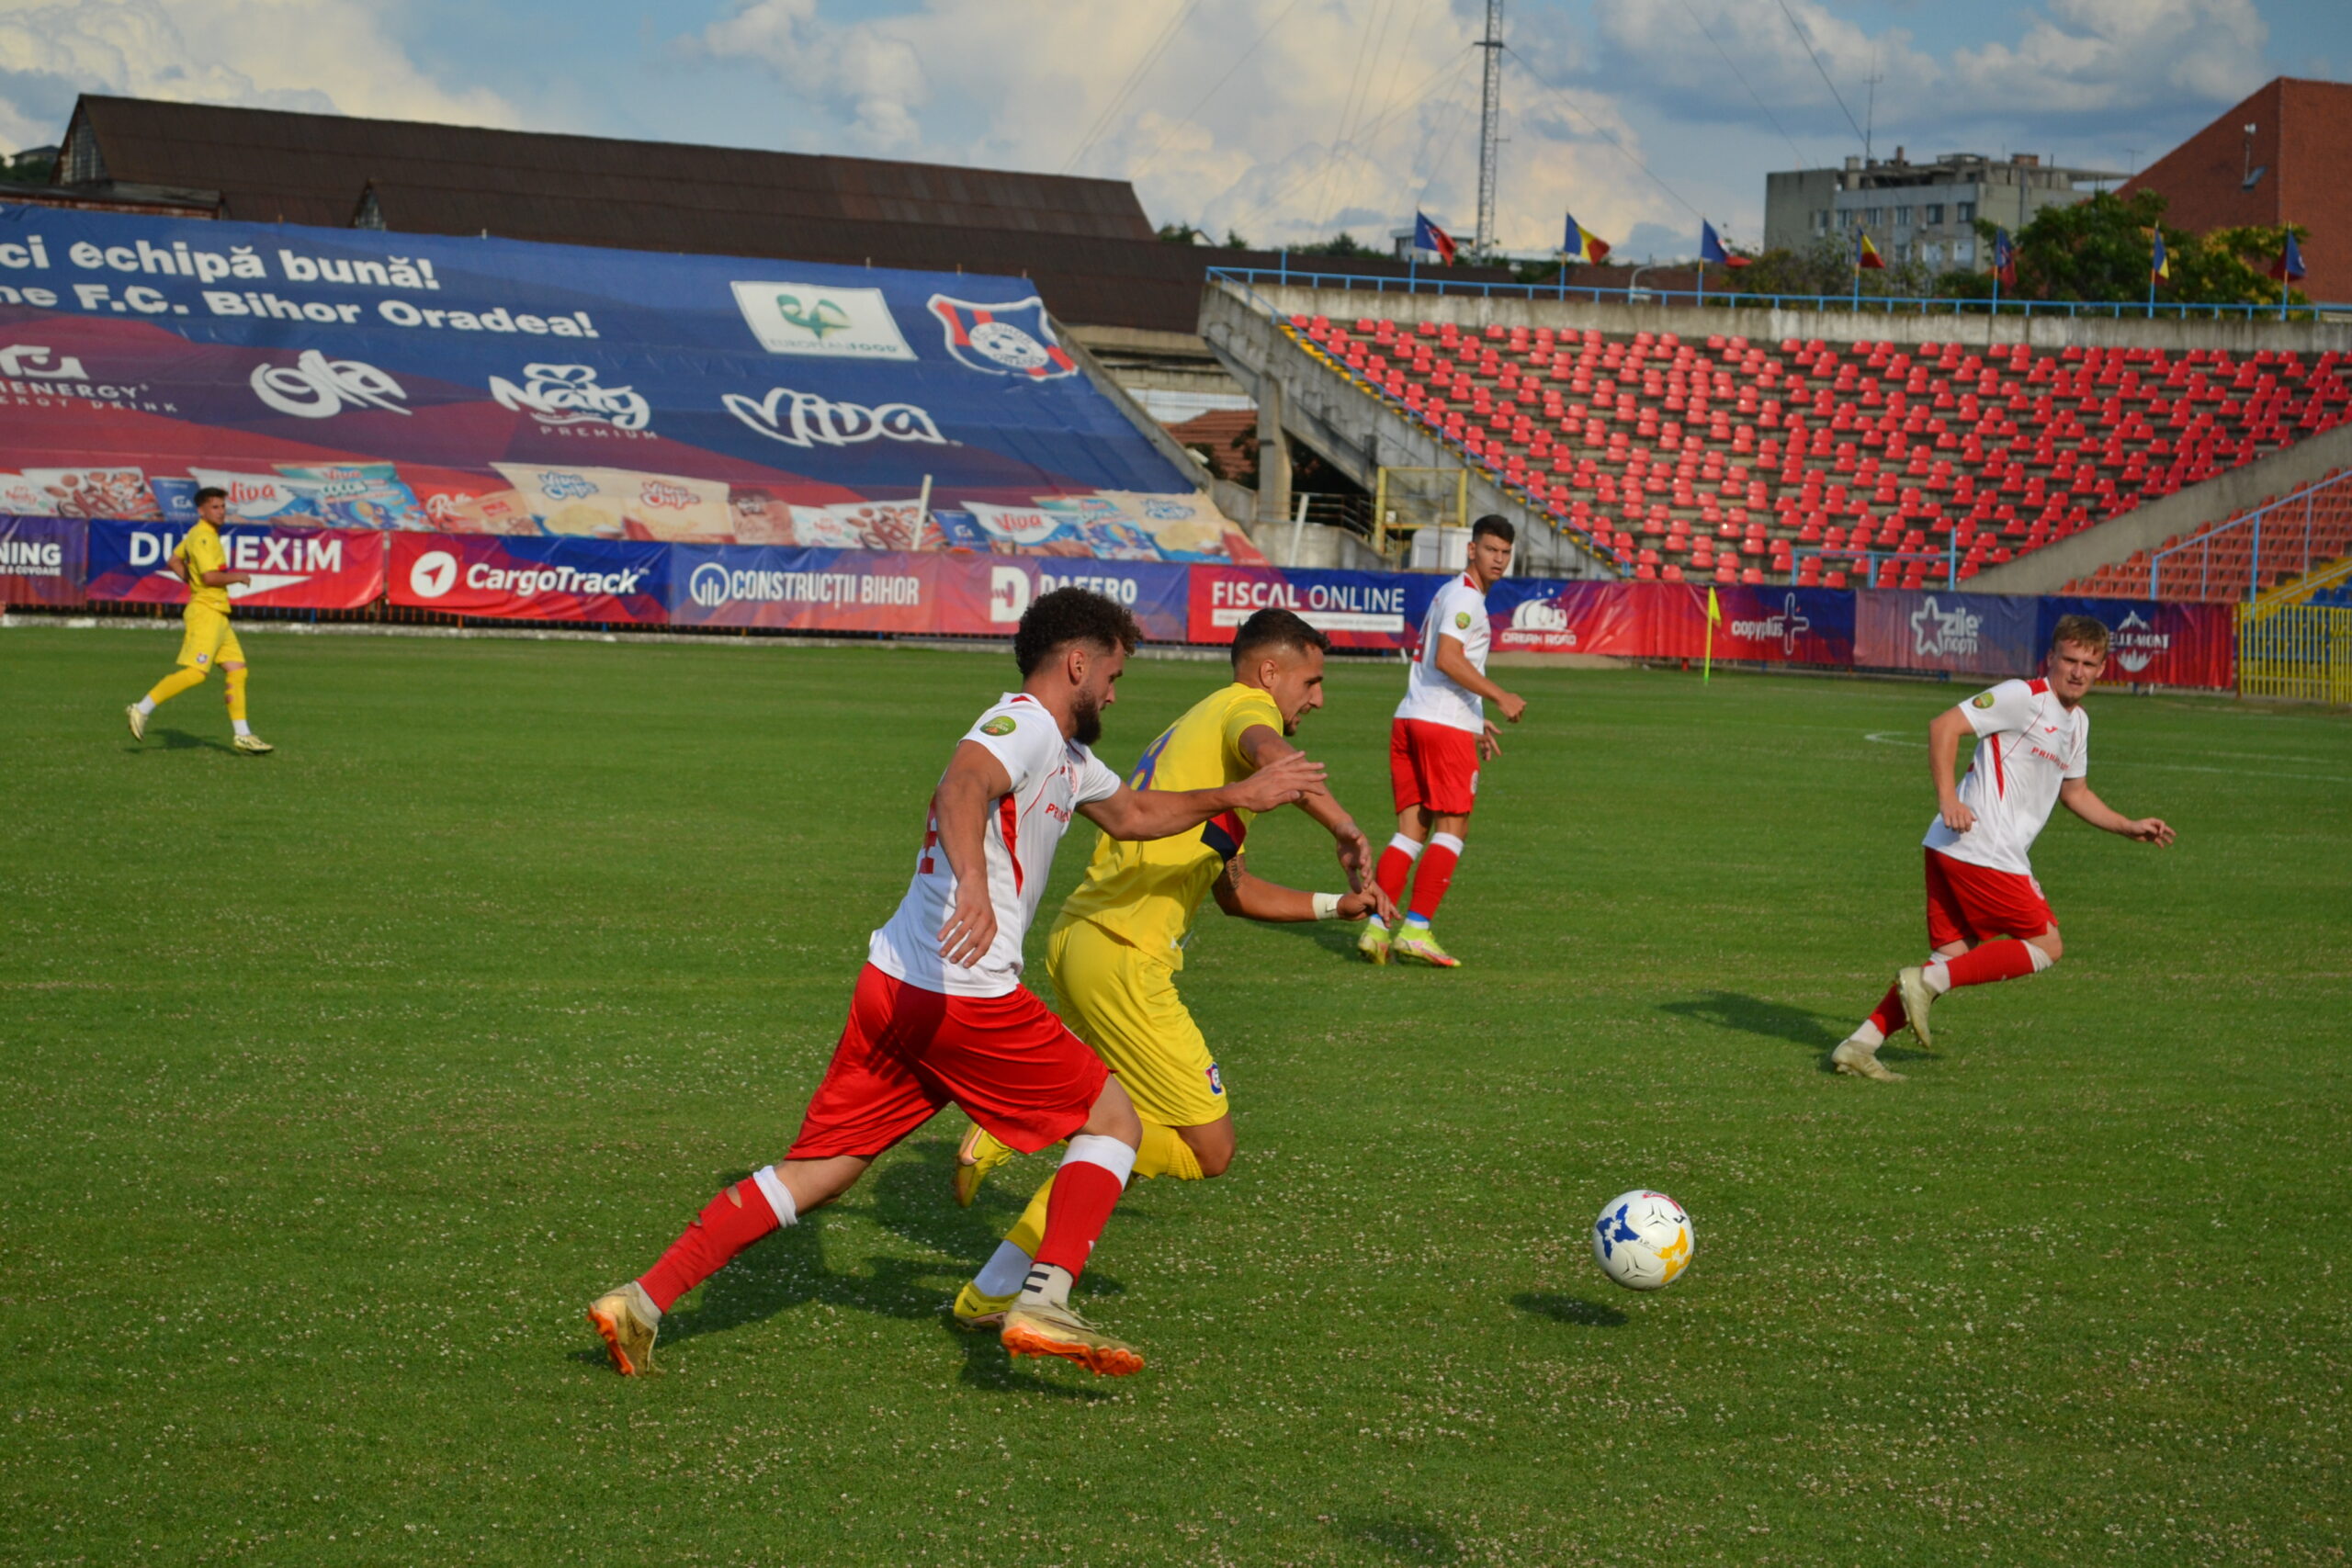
[1285, 119]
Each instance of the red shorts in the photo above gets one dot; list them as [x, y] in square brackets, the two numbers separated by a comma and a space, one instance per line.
[906, 1052]
[1433, 765]
[1969, 903]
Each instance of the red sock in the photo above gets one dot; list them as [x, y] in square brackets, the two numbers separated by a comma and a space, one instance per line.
[2007, 959]
[1085, 1195]
[1889, 1015]
[1435, 875]
[1395, 866]
[733, 1221]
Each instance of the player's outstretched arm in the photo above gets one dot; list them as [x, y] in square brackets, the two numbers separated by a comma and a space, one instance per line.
[1156, 813]
[1453, 663]
[1254, 899]
[1943, 753]
[2077, 797]
[974, 782]
[1263, 747]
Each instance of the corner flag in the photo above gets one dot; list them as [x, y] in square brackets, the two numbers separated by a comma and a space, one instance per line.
[1428, 236]
[1714, 619]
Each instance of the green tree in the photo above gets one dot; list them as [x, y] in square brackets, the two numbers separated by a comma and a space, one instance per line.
[1824, 267]
[2102, 249]
[1344, 244]
[1180, 235]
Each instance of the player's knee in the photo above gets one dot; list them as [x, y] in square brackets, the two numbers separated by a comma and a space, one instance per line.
[1212, 1146]
[2049, 945]
[1114, 1116]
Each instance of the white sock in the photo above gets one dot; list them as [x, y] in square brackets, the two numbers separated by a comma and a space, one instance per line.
[1099, 1148]
[2041, 960]
[1869, 1035]
[1048, 1283]
[1937, 975]
[241, 726]
[1004, 1273]
[1409, 848]
[145, 704]
[779, 1196]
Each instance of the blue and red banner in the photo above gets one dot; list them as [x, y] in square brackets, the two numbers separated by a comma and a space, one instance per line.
[907, 594]
[2154, 643]
[1355, 609]
[1960, 634]
[292, 567]
[42, 561]
[531, 579]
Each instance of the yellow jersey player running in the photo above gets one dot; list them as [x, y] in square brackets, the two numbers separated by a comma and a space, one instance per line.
[1114, 953]
[203, 564]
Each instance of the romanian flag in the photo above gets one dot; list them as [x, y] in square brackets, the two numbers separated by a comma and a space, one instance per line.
[2159, 263]
[2005, 258]
[1865, 254]
[2289, 265]
[1583, 244]
[1428, 236]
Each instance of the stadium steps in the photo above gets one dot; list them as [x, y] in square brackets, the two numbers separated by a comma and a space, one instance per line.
[2216, 562]
[1718, 461]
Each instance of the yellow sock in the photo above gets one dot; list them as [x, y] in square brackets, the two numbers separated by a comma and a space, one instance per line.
[1164, 1152]
[172, 684]
[236, 680]
[1028, 1232]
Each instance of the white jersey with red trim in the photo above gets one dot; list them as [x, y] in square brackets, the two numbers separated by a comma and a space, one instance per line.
[1459, 611]
[2027, 743]
[1052, 777]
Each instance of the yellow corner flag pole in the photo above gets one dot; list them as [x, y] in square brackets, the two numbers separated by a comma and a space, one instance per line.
[1715, 613]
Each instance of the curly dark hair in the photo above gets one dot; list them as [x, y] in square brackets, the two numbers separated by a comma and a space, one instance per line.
[1067, 615]
[1273, 627]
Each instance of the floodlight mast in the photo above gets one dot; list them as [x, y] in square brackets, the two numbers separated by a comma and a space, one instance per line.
[1490, 126]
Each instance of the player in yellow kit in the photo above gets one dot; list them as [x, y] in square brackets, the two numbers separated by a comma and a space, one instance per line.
[203, 564]
[1114, 951]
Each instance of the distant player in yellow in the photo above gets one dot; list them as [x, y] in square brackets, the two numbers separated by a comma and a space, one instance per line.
[203, 565]
[1114, 950]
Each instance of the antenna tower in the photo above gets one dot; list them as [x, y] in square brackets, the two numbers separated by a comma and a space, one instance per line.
[1490, 124]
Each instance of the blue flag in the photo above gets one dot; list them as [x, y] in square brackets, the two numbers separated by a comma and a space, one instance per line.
[1711, 246]
[1428, 236]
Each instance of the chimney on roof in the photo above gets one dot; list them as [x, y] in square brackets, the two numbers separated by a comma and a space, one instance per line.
[1852, 162]
[1898, 154]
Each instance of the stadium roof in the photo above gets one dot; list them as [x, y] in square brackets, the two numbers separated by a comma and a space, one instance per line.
[1086, 242]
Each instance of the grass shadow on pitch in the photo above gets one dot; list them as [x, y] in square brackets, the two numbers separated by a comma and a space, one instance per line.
[1755, 1015]
[1337, 937]
[179, 740]
[1403, 1535]
[1573, 1310]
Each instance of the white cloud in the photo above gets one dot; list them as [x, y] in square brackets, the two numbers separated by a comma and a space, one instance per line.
[326, 55]
[1347, 113]
[2110, 55]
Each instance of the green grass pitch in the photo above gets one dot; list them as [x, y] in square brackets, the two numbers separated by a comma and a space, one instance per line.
[337, 1081]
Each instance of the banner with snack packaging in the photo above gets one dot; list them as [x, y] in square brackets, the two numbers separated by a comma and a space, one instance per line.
[42, 559]
[293, 566]
[532, 578]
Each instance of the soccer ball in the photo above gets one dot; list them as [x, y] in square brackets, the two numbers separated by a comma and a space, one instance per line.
[1642, 1240]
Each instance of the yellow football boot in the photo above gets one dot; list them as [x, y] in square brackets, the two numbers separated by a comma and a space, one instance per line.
[975, 1312]
[1418, 944]
[976, 1155]
[252, 745]
[1374, 943]
[626, 1320]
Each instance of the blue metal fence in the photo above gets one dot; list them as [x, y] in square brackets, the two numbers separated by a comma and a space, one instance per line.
[1439, 285]
[2290, 540]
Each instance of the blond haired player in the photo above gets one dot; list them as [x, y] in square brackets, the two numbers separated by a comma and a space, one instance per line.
[1120, 939]
[203, 565]
[2033, 743]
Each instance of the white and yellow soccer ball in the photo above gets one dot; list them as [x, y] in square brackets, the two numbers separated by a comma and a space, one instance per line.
[1642, 1240]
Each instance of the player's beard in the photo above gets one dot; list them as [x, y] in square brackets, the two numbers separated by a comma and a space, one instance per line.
[1086, 720]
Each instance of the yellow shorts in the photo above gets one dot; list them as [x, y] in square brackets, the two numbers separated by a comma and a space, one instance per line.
[1126, 1006]
[209, 642]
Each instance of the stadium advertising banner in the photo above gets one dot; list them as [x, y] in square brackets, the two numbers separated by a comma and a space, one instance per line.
[531, 580]
[1647, 620]
[2154, 643]
[944, 595]
[1355, 609]
[293, 568]
[356, 379]
[1961, 633]
[42, 561]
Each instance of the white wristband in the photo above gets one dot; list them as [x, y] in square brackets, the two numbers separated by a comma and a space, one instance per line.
[1326, 906]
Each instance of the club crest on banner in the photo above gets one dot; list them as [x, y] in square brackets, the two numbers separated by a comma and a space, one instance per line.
[1015, 339]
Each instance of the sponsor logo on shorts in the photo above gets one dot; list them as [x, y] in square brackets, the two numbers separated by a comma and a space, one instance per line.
[1216, 1083]
[1000, 725]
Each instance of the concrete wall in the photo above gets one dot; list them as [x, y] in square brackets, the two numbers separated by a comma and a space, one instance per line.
[1768, 326]
[2052, 567]
[1360, 434]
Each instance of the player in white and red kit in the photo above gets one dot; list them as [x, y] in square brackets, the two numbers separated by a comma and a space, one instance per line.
[2032, 752]
[940, 1014]
[1438, 738]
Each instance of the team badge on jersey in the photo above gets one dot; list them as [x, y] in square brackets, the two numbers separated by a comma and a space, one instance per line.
[1982, 700]
[1002, 724]
[1216, 1084]
[1462, 619]
[1015, 339]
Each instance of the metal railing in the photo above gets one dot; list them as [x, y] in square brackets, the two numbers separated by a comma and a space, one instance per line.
[2303, 652]
[2290, 520]
[1881, 304]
